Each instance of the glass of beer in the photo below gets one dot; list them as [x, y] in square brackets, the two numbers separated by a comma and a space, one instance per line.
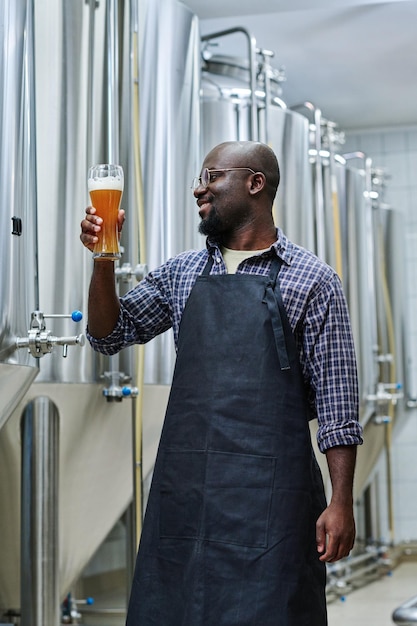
[105, 186]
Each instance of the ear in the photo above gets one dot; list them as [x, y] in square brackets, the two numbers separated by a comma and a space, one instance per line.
[257, 183]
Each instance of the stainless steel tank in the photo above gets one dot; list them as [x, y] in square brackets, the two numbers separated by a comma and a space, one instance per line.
[241, 100]
[18, 248]
[170, 146]
[84, 108]
[323, 202]
[46, 270]
[360, 272]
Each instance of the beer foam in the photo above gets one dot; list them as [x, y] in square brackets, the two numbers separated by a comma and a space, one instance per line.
[107, 182]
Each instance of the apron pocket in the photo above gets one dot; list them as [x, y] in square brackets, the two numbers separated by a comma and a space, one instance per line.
[238, 493]
[216, 496]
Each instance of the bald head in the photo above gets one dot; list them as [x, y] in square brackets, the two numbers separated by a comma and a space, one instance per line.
[258, 156]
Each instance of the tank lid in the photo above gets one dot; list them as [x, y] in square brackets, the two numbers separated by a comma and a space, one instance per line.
[238, 68]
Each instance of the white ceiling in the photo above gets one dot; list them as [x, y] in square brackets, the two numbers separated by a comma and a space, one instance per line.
[354, 59]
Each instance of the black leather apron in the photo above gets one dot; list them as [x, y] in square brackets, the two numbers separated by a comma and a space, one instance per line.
[229, 531]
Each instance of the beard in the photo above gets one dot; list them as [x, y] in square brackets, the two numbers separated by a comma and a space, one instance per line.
[212, 226]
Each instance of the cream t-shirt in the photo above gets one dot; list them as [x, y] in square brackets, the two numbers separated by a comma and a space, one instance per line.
[233, 258]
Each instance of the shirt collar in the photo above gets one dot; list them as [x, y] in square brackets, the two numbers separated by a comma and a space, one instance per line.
[282, 247]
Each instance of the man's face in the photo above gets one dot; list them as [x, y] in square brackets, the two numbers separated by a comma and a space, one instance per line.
[223, 206]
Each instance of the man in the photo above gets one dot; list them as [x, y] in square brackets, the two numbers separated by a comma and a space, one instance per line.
[237, 530]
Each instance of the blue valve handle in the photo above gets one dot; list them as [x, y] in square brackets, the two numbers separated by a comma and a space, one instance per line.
[76, 316]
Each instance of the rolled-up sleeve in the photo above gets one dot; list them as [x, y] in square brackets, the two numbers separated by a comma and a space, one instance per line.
[330, 364]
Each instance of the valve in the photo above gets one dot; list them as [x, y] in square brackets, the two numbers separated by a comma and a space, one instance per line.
[381, 419]
[69, 609]
[387, 392]
[115, 392]
[126, 272]
[40, 341]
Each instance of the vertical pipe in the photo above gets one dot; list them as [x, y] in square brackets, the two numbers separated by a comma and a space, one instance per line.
[140, 351]
[112, 97]
[112, 25]
[39, 511]
[267, 78]
[321, 235]
[90, 83]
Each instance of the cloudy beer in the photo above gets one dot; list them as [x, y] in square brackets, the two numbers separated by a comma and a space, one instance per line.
[105, 186]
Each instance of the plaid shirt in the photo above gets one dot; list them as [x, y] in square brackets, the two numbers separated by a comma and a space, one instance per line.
[316, 309]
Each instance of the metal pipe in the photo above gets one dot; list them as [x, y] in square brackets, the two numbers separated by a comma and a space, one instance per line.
[113, 134]
[112, 34]
[90, 83]
[266, 54]
[321, 237]
[254, 131]
[39, 512]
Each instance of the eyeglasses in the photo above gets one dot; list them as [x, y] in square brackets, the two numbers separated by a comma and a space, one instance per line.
[207, 176]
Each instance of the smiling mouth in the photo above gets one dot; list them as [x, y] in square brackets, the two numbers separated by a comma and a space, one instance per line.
[204, 207]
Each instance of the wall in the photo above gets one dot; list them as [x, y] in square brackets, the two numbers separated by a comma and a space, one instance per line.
[395, 150]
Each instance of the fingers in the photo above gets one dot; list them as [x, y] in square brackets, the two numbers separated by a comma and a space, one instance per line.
[336, 549]
[335, 535]
[90, 226]
[121, 219]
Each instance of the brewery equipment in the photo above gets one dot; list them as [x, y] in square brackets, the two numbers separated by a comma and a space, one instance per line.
[83, 108]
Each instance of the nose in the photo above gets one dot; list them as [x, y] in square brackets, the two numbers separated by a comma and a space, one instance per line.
[199, 189]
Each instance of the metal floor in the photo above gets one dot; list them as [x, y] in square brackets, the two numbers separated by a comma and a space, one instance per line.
[374, 604]
[371, 605]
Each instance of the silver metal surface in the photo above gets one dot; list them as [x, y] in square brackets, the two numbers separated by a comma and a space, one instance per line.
[230, 70]
[226, 116]
[70, 47]
[15, 380]
[95, 480]
[406, 614]
[18, 258]
[391, 229]
[360, 275]
[289, 138]
[40, 601]
[171, 155]
[77, 109]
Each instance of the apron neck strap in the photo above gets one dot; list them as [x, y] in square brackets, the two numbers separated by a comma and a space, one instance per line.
[273, 300]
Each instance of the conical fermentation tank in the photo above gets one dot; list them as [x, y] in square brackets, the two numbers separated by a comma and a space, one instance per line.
[44, 278]
[84, 109]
